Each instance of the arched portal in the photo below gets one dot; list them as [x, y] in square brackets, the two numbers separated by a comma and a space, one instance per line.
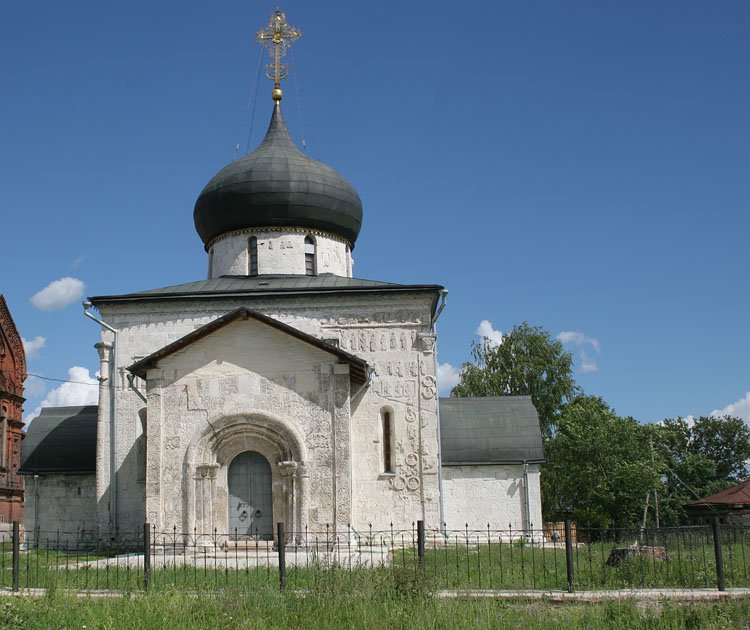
[250, 509]
[268, 452]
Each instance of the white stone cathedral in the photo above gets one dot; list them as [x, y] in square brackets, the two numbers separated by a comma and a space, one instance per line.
[281, 388]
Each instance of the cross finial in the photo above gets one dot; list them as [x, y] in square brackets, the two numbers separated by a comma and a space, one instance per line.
[277, 36]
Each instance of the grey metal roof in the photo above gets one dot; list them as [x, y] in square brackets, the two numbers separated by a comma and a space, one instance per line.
[61, 440]
[277, 185]
[490, 430]
[265, 285]
[359, 368]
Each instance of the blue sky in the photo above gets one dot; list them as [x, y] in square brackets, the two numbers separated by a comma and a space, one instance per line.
[579, 165]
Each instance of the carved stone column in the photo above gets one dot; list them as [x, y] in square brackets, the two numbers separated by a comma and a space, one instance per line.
[103, 437]
[205, 486]
[341, 417]
[287, 470]
[303, 501]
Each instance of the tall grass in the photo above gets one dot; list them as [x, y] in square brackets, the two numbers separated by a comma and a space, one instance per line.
[392, 603]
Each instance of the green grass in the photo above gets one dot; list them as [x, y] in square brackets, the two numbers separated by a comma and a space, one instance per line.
[522, 566]
[389, 602]
[454, 566]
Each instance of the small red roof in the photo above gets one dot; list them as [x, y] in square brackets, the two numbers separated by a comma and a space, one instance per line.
[736, 495]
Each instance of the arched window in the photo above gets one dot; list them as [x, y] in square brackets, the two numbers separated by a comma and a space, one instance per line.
[386, 421]
[252, 256]
[140, 446]
[310, 269]
[211, 264]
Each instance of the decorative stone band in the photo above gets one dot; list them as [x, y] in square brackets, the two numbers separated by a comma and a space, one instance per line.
[285, 229]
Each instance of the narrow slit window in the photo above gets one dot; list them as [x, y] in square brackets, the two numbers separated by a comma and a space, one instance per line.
[387, 428]
[252, 256]
[310, 269]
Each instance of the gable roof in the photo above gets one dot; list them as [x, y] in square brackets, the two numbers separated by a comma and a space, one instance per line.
[267, 286]
[358, 368]
[734, 497]
[61, 440]
[490, 430]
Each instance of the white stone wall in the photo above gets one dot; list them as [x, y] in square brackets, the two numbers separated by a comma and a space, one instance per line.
[492, 494]
[64, 503]
[390, 331]
[279, 253]
[256, 374]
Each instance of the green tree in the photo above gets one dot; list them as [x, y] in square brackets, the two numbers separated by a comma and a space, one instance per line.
[599, 466]
[527, 362]
[726, 441]
[700, 458]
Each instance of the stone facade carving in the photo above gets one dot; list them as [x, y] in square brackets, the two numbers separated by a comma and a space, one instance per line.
[278, 252]
[278, 389]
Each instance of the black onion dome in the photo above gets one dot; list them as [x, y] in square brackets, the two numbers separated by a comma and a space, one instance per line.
[278, 186]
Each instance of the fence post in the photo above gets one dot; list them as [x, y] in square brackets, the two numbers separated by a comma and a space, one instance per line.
[146, 555]
[718, 554]
[16, 554]
[420, 545]
[569, 553]
[282, 555]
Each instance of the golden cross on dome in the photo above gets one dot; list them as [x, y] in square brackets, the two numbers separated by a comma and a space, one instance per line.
[277, 37]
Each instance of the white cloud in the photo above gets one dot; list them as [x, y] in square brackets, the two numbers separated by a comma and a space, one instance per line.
[739, 409]
[77, 262]
[588, 364]
[447, 377]
[582, 341]
[579, 339]
[486, 331]
[82, 390]
[33, 387]
[59, 294]
[33, 347]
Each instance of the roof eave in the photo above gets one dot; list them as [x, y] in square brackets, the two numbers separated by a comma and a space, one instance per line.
[202, 295]
[42, 472]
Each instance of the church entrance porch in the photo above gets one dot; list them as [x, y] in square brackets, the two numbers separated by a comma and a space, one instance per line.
[250, 507]
[246, 473]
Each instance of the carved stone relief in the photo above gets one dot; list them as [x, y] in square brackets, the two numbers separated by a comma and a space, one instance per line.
[428, 342]
[429, 386]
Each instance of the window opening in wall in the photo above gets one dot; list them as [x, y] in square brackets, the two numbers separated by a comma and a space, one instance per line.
[211, 264]
[386, 420]
[140, 446]
[310, 269]
[252, 256]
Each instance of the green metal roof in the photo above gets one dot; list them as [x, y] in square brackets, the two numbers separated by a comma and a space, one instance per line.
[265, 285]
[490, 430]
[61, 440]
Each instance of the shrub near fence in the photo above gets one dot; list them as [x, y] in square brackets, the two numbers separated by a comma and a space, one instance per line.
[690, 557]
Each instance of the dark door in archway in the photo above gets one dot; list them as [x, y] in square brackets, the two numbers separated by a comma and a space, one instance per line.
[250, 496]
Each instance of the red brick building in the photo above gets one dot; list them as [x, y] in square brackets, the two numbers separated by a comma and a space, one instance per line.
[12, 377]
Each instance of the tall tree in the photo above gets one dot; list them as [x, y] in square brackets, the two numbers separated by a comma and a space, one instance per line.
[599, 466]
[726, 441]
[700, 458]
[527, 362]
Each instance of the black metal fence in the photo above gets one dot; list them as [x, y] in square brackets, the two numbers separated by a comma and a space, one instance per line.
[500, 559]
